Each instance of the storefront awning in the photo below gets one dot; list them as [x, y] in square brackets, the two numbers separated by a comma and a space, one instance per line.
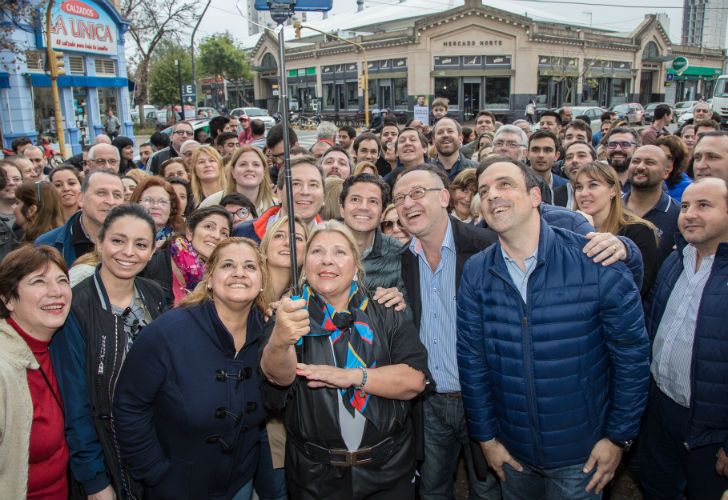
[41, 80]
[696, 72]
[4, 81]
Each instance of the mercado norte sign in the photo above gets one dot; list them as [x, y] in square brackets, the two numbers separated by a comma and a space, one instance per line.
[83, 27]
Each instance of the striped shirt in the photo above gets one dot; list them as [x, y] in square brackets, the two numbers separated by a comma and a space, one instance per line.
[438, 326]
[672, 351]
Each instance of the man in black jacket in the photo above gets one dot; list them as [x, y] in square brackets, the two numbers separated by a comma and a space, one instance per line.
[431, 267]
[181, 132]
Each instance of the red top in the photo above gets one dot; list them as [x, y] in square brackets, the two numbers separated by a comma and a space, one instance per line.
[48, 448]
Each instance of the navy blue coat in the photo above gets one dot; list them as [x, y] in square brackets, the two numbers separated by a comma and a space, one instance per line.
[552, 377]
[189, 410]
[61, 238]
[708, 422]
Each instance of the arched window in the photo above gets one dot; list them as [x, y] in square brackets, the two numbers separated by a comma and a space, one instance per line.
[269, 62]
[651, 50]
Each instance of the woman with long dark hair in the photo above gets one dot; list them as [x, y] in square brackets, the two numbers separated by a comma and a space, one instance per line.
[37, 209]
[109, 312]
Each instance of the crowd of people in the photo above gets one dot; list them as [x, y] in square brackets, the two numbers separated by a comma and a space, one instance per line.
[531, 298]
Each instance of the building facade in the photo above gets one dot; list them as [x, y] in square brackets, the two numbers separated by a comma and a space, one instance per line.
[704, 23]
[479, 58]
[91, 36]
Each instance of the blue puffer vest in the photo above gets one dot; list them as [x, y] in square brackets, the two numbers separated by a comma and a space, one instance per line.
[552, 377]
[709, 368]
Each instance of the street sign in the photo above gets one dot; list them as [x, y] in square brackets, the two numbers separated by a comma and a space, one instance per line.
[680, 64]
[300, 5]
[670, 77]
[189, 92]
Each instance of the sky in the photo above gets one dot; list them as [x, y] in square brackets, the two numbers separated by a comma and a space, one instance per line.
[619, 16]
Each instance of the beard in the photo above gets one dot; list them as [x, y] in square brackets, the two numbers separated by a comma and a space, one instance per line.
[620, 166]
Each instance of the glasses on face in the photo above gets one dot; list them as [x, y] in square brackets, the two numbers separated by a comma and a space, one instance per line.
[100, 162]
[415, 194]
[184, 132]
[620, 144]
[242, 213]
[162, 202]
[388, 225]
[508, 144]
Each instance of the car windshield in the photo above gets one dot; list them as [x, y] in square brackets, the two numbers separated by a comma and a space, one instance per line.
[620, 108]
[721, 88]
[652, 105]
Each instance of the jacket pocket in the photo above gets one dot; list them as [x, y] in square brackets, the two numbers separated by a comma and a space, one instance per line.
[175, 483]
[589, 403]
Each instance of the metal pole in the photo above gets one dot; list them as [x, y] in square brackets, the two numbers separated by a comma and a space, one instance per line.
[51, 56]
[181, 95]
[283, 93]
[192, 52]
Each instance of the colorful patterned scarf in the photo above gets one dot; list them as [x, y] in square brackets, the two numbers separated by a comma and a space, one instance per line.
[187, 260]
[351, 337]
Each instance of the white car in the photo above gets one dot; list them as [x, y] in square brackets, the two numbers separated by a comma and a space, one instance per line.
[255, 114]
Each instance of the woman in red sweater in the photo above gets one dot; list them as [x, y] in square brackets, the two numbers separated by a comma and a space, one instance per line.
[35, 297]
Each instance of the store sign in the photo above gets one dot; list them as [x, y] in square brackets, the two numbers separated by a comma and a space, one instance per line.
[83, 27]
[472, 43]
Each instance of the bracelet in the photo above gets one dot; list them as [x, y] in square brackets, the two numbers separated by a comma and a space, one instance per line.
[360, 387]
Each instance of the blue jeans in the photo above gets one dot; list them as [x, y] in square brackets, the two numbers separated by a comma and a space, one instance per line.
[244, 492]
[270, 483]
[563, 483]
[446, 435]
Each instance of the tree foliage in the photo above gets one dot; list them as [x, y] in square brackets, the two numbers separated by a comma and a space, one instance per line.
[221, 56]
[163, 76]
[152, 22]
[15, 14]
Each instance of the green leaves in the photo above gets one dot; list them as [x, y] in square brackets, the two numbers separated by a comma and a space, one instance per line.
[219, 55]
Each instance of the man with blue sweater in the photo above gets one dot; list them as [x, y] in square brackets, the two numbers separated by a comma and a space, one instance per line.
[552, 349]
[684, 441]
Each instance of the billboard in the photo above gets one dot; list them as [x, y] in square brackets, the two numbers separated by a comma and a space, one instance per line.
[83, 26]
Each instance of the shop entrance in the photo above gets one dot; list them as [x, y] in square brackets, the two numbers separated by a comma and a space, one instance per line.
[471, 98]
[81, 113]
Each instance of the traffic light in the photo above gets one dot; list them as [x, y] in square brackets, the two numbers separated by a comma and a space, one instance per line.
[361, 81]
[57, 64]
[297, 27]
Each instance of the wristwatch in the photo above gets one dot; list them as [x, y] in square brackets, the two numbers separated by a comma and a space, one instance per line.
[622, 445]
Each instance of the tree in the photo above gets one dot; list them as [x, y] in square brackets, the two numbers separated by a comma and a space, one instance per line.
[152, 22]
[15, 14]
[163, 76]
[221, 56]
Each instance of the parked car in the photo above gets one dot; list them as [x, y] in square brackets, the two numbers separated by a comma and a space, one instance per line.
[255, 114]
[683, 107]
[148, 108]
[207, 112]
[633, 112]
[196, 125]
[593, 112]
[650, 111]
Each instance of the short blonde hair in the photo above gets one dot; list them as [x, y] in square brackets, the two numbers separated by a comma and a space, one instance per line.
[363, 165]
[334, 226]
[203, 292]
[332, 189]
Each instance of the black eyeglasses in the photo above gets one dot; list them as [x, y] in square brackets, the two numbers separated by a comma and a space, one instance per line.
[388, 225]
[414, 194]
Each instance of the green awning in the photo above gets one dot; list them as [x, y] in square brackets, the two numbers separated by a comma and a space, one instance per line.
[697, 71]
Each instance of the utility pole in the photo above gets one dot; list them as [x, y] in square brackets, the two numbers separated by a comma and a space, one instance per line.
[181, 95]
[192, 51]
[56, 66]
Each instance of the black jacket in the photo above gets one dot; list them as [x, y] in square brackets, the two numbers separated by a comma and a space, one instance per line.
[155, 162]
[312, 416]
[89, 352]
[159, 269]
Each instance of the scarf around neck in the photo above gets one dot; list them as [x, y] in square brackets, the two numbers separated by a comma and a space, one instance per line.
[351, 337]
[187, 260]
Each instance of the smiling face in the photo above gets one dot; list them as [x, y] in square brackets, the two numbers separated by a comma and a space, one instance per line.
[420, 217]
[649, 168]
[620, 148]
[702, 111]
[462, 196]
[104, 192]
[336, 164]
[43, 303]
[237, 279]
[129, 187]
[249, 170]
[703, 219]
[13, 178]
[389, 134]
[308, 191]
[330, 266]
[145, 152]
[484, 124]
[593, 197]
[68, 188]
[278, 253]
[207, 168]
[409, 148]
[35, 155]
[208, 234]
[447, 138]
[127, 152]
[181, 196]
[157, 202]
[711, 157]
[505, 202]
[391, 227]
[362, 209]
[574, 134]
[576, 157]
[127, 247]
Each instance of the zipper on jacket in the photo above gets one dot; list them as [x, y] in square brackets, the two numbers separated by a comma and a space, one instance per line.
[102, 355]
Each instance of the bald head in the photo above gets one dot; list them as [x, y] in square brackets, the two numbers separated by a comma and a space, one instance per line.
[648, 168]
[102, 139]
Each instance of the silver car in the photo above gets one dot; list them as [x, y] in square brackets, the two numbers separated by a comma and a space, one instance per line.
[255, 114]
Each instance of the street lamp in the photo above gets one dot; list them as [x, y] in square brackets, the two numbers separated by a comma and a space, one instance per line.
[192, 52]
